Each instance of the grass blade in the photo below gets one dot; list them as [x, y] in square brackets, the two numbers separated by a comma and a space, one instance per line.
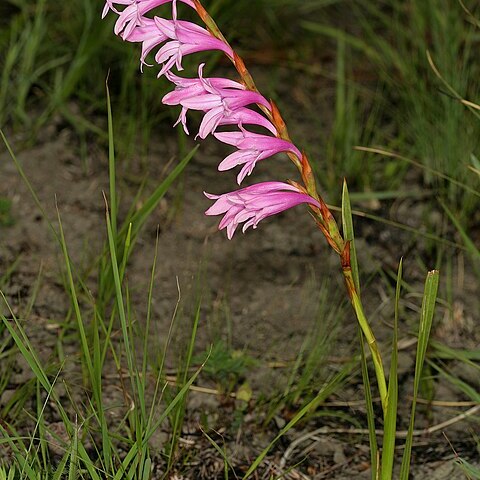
[471, 472]
[372, 435]
[324, 393]
[348, 234]
[222, 453]
[426, 319]
[388, 449]
[140, 217]
[472, 249]
[111, 164]
[72, 471]
[76, 307]
[133, 225]
[179, 414]
[131, 455]
[119, 298]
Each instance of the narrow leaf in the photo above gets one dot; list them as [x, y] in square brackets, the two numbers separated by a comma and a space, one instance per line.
[388, 450]
[372, 435]
[426, 319]
[348, 234]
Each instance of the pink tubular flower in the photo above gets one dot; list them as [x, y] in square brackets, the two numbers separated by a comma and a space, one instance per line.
[254, 203]
[252, 147]
[110, 5]
[133, 14]
[185, 38]
[222, 100]
[245, 116]
[150, 37]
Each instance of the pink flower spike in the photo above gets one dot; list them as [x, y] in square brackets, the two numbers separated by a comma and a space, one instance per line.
[254, 203]
[252, 147]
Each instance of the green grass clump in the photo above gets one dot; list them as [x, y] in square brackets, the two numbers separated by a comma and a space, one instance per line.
[57, 58]
[425, 121]
[87, 440]
[225, 366]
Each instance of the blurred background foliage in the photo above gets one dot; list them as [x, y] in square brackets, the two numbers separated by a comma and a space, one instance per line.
[367, 59]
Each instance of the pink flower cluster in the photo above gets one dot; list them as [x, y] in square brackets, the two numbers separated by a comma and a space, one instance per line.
[222, 101]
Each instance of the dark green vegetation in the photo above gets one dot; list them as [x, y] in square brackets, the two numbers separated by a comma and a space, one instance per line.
[383, 93]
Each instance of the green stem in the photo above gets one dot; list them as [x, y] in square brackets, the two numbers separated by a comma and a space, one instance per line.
[368, 333]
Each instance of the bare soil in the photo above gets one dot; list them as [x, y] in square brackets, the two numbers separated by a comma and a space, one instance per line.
[260, 295]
